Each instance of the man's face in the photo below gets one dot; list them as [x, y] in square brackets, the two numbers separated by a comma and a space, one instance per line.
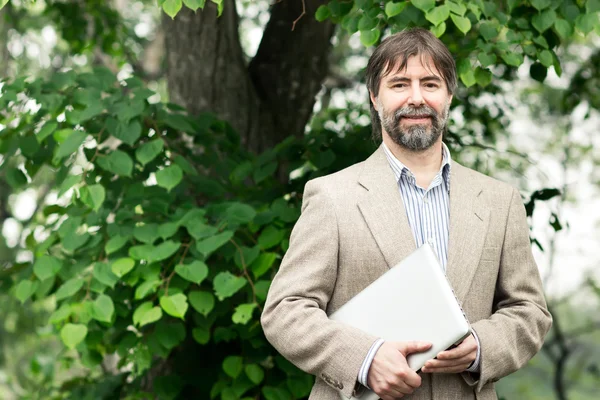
[413, 105]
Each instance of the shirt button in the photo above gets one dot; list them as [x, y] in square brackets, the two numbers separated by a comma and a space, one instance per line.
[426, 200]
[430, 241]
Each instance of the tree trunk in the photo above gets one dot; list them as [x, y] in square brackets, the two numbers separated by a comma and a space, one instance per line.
[268, 100]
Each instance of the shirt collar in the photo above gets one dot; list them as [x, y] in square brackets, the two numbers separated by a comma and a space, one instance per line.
[399, 168]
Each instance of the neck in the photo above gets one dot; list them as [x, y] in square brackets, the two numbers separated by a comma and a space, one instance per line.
[425, 162]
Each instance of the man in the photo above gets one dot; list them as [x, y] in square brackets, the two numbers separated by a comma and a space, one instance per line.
[357, 223]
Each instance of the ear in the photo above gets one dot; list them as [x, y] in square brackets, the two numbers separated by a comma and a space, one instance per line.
[373, 100]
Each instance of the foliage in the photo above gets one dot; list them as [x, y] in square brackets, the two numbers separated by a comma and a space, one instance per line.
[166, 232]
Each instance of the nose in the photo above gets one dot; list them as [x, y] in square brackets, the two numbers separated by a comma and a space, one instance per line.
[416, 97]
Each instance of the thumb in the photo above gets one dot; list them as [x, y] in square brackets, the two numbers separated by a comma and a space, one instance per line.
[407, 348]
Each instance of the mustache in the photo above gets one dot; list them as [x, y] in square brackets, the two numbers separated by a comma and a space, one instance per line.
[415, 112]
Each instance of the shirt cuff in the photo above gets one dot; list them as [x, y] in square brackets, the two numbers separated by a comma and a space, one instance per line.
[474, 367]
[363, 373]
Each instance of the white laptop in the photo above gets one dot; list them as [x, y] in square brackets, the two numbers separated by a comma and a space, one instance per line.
[411, 301]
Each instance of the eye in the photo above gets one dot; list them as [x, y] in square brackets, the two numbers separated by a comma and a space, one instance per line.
[431, 85]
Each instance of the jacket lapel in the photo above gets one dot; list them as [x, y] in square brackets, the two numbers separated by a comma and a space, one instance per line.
[383, 210]
[469, 220]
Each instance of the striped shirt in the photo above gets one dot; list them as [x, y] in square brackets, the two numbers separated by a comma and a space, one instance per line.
[428, 212]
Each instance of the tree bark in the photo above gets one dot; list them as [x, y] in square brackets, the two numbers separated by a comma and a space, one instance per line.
[266, 101]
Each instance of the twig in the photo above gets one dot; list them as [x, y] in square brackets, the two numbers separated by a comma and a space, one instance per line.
[246, 274]
[186, 247]
[301, 15]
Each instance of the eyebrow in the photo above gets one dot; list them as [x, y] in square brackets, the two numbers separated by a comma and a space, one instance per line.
[398, 79]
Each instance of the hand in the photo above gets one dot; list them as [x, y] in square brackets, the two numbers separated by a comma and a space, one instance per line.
[455, 360]
[389, 375]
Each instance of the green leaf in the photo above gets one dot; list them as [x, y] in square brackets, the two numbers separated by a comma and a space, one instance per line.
[117, 162]
[233, 366]
[439, 30]
[270, 237]
[585, 23]
[96, 195]
[226, 285]
[70, 145]
[68, 183]
[243, 313]
[103, 308]
[46, 267]
[203, 302]
[154, 253]
[167, 229]
[468, 78]
[483, 76]
[25, 289]
[47, 130]
[423, 5]
[15, 178]
[255, 373]
[264, 171]
[122, 266]
[263, 263]
[592, 6]
[369, 38]
[69, 288]
[514, 59]
[540, 4]
[322, 13]
[201, 335]
[73, 334]
[199, 230]
[545, 57]
[457, 8]
[169, 177]
[462, 23]
[103, 274]
[129, 132]
[488, 30]
[541, 41]
[164, 250]
[438, 14]
[146, 314]
[175, 305]
[543, 20]
[248, 254]
[74, 241]
[366, 23]
[393, 9]
[195, 272]
[146, 288]
[171, 7]
[61, 314]
[486, 59]
[148, 151]
[115, 243]
[194, 4]
[147, 233]
[563, 28]
[275, 393]
[208, 245]
[239, 213]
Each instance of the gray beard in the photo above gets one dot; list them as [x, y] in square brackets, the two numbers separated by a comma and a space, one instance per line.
[416, 137]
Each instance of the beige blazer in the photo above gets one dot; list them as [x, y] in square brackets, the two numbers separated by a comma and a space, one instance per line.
[354, 227]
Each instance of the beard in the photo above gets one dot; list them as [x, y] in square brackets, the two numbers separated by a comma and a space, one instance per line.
[416, 137]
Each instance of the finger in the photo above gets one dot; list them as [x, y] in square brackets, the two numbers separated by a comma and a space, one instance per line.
[412, 379]
[458, 352]
[407, 348]
[449, 363]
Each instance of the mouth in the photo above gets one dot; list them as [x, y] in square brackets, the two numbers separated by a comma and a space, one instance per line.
[417, 118]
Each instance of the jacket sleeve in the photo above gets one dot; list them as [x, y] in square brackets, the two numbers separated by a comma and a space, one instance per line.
[294, 319]
[515, 332]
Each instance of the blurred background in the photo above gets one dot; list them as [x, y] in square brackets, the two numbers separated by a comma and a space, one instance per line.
[267, 73]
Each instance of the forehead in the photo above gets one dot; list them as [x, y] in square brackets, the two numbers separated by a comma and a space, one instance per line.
[413, 67]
